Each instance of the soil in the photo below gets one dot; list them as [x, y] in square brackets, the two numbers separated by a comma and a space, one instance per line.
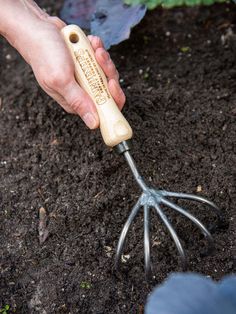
[179, 74]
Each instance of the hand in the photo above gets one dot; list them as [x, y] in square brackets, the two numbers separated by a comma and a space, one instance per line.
[40, 42]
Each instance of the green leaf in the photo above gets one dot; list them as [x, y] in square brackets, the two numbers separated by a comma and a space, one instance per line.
[207, 2]
[185, 49]
[152, 4]
[5, 309]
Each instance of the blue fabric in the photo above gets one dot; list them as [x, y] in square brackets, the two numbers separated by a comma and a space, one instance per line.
[112, 20]
[191, 293]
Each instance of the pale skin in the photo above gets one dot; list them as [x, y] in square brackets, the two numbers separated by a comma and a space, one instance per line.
[37, 37]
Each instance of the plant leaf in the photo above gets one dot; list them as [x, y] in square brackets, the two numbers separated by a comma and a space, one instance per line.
[78, 12]
[151, 4]
[113, 20]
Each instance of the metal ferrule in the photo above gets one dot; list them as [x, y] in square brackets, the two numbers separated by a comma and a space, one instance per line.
[123, 147]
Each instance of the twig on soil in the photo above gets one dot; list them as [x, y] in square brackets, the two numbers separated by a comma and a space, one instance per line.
[43, 231]
[98, 194]
[41, 193]
[54, 142]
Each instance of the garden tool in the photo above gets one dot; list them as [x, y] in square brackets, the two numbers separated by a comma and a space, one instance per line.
[116, 133]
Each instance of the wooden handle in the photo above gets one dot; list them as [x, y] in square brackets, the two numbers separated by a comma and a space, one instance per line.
[114, 127]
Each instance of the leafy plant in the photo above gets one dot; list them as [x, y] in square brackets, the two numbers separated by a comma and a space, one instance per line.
[151, 4]
[5, 309]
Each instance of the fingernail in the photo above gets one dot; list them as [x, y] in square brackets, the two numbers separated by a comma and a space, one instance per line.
[90, 120]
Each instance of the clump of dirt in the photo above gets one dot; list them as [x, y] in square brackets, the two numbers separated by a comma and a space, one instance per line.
[178, 71]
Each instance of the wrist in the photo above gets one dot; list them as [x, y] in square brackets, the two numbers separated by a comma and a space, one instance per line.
[17, 17]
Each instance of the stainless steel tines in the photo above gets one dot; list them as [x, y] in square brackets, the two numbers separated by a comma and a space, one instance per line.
[152, 198]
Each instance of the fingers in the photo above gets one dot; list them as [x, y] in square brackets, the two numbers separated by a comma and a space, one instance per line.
[110, 71]
[62, 86]
[75, 101]
[80, 103]
[106, 64]
[117, 93]
[103, 58]
[96, 42]
[108, 67]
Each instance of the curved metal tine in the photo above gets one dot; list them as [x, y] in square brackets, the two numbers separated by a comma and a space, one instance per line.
[196, 198]
[191, 217]
[172, 232]
[125, 230]
[147, 259]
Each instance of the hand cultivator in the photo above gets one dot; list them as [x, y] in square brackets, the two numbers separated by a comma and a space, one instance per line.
[116, 133]
[152, 198]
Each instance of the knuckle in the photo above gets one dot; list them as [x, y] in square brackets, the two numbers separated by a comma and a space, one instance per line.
[65, 106]
[112, 68]
[69, 110]
[56, 21]
[56, 79]
[98, 40]
[90, 37]
[101, 42]
[76, 104]
[110, 64]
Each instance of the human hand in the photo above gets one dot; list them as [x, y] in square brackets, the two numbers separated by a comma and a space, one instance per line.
[39, 41]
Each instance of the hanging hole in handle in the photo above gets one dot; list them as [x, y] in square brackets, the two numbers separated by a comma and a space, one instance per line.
[74, 38]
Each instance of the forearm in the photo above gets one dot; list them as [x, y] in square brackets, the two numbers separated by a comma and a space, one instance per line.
[18, 19]
[15, 13]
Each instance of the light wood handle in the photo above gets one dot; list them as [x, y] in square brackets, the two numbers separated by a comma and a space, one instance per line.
[114, 127]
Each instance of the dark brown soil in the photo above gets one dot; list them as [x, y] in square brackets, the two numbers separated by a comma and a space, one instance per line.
[182, 107]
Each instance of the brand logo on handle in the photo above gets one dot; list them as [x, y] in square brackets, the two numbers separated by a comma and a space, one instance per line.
[93, 76]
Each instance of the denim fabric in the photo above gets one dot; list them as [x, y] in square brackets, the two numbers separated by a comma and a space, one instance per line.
[191, 293]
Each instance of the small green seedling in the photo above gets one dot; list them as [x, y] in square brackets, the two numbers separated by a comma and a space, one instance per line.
[185, 49]
[85, 285]
[146, 39]
[146, 75]
[5, 309]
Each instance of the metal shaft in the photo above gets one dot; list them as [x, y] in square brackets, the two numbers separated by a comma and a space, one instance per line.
[124, 149]
[133, 167]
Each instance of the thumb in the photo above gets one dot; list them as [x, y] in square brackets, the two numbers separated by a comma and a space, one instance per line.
[80, 102]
